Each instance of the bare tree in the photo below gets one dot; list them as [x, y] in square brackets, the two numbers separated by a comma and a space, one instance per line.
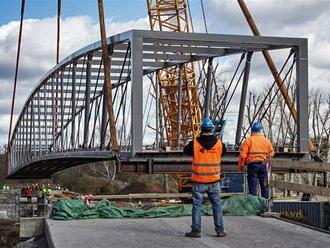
[105, 169]
[320, 122]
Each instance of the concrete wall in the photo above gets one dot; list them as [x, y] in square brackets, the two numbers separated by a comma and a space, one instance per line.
[32, 227]
[9, 204]
[9, 217]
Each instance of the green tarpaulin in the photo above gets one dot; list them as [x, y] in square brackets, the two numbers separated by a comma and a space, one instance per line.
[69, 209]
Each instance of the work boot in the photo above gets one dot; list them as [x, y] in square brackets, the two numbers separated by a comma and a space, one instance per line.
[221, 234]
[193, 234]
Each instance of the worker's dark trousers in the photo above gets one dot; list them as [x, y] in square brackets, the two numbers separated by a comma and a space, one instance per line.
[257, 172]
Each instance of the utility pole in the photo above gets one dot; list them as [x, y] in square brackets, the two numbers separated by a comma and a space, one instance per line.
[107, 79]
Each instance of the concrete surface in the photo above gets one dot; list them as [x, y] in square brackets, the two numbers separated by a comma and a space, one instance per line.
[242, 232]
[31, 227]
[9, 233]
[9, 204]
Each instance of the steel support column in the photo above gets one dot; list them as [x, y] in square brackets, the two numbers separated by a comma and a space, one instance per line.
[157, 109]
[208, 91]
[39, 123]
[62, 112]
[13, 154]
[243, 99]
[30, 128]
[21, 142]
[53, 112]
[137, 94]
[159, 113]
[26, 131]
[179, 104]
[302, 96]
[87, 99]
[103, 121]
[73, 102]
[45, 117]
[33, 129]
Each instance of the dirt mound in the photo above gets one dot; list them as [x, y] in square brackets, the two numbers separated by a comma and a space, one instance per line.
[139, 187]
[81, 179]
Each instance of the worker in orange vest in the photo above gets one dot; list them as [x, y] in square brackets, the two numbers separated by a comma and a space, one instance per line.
[206, 151]
[255, 152]
[29, 193]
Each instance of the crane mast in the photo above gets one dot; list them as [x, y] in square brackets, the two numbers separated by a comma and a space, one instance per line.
[180, 110]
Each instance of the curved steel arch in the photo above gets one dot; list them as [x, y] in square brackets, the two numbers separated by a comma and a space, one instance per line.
[64, 121]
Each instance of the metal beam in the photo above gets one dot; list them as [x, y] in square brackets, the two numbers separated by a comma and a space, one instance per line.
[87, 100]
[179, 104]
[73, 102]
[136, 95]
[62, 111]
[208, 91]
[218, 39]
[243, 99]
[302, 97]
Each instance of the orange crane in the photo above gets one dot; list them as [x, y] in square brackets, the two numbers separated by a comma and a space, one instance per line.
[172, 15]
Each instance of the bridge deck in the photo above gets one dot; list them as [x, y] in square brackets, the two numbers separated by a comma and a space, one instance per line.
[242, 232]
[147, 162]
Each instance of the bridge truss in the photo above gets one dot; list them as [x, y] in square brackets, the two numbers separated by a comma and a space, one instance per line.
[64, 122]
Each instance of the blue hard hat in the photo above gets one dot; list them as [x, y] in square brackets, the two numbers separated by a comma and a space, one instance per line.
[256, 127]
[207, 125]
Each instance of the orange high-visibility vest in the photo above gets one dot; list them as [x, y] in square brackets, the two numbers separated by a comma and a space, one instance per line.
[29, 192]
[206, 163]
[256, 148]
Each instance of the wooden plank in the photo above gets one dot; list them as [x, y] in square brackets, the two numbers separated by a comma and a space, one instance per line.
[300, 165]
[304, 188]
[151, 196]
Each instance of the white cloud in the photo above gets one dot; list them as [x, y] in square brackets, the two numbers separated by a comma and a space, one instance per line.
[38, 53]
[299, 18]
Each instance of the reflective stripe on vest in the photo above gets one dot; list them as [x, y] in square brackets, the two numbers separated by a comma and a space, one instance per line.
[206, 173]
[206, 163]
[258, 153]
[257, 149]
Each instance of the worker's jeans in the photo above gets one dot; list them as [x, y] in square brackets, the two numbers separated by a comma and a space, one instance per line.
[213, 192]
[257, 172]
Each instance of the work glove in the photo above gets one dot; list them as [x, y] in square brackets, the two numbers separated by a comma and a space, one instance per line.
[240, 168]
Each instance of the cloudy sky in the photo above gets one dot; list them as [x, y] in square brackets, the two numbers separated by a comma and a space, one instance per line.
[300, 18]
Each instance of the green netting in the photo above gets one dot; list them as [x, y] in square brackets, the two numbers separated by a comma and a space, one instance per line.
[69, 209]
